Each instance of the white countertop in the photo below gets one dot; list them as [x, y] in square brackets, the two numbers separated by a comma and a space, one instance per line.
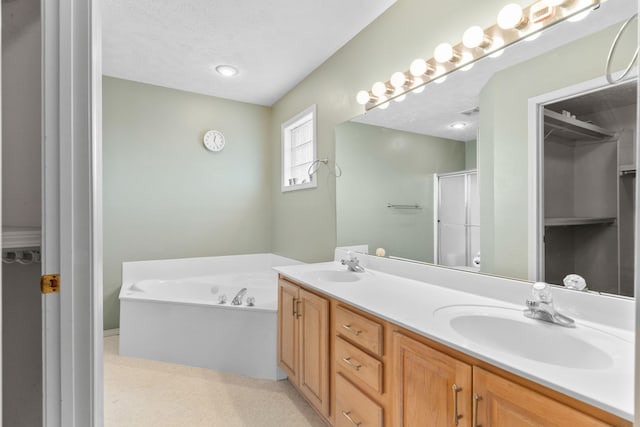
[412, 304]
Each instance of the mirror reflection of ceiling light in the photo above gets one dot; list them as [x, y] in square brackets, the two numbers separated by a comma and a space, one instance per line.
[440, 70]
[399, 94]
[580, 16]
[458, 125]
[226, 70]
[514, 23]
[467, 58]
[418, 84]
[497, 44]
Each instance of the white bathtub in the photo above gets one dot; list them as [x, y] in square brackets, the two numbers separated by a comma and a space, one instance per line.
[170, 311]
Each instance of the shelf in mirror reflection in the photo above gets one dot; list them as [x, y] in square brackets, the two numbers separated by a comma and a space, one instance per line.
[572, 221]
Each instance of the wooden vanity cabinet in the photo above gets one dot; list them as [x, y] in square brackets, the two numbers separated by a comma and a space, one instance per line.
[500, 402]
[430, 387]
[359, 370]
[303, 342]
[359, 350]
[434, 388]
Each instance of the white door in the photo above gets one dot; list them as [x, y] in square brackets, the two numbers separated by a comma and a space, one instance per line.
[72, 214]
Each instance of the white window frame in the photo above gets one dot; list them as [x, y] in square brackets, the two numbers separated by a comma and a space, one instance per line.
[285, 135]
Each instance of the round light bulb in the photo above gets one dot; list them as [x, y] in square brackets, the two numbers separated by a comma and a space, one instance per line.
[554, 3]
[580, 16]
[533, 37]
[398, 79]
[363, 97]
[465, 59]
[510, 16]
[458, 125]
[417, 82]
[418, 67]
[439, 71]
[473, 37]
[443, 53]
[379, 89]
[399, 95]
[497, 44]
[383, 106]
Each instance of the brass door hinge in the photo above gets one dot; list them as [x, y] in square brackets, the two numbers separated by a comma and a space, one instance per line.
[50, 283]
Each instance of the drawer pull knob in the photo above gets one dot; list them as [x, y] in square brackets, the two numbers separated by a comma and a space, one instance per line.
[347, 416]
[350, 329]
[348, 361]
[456, 416]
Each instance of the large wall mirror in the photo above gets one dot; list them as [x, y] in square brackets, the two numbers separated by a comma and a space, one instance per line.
[467, 174]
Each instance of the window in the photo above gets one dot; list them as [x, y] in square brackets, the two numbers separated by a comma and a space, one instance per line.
[299, 150]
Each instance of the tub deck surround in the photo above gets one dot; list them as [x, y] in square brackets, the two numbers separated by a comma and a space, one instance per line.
[170, 312]
[411, 303]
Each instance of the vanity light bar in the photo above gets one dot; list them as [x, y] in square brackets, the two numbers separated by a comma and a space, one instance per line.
[514, 23]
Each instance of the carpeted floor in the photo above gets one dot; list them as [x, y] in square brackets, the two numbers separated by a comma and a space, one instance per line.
[140, 393]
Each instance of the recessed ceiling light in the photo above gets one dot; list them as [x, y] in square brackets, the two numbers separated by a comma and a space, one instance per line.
[226, 70]
[458, 125]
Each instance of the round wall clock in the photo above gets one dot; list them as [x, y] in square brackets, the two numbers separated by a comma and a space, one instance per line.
[213, 140]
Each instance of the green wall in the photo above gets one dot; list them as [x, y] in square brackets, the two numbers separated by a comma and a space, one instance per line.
[409, 29]
[381, 166]
[503, 141]
[165, 196]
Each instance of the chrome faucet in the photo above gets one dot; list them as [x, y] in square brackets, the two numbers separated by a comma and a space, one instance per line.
[353, 264]
[237, 300]
[540, 307]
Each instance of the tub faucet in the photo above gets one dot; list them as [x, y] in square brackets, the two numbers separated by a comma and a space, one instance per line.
[237, 300]
[353, 264]
[540, 307]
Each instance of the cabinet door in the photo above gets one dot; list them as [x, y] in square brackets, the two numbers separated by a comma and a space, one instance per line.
[288, 329]
[500, 402]
[314, 350]
[430, 388]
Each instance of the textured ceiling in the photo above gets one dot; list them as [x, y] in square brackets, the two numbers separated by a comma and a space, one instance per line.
[275, 44]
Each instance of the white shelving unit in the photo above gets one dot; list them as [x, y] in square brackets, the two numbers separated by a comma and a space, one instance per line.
[21, 237]
[569, 221]
[627, 170]
[575, 130]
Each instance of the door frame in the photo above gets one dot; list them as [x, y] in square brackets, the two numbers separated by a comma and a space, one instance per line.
[72, 334]
[536, 159]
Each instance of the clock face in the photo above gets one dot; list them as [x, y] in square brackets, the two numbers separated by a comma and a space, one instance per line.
[214, 140]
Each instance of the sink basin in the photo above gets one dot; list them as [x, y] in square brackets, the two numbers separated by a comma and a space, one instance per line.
[337, 276]
[507, 330]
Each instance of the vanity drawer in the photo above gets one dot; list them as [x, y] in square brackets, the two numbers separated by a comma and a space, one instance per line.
[359, 330]
[358, 365]
[353, 408]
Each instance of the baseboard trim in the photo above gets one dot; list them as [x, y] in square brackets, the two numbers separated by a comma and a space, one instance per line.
[111, 332]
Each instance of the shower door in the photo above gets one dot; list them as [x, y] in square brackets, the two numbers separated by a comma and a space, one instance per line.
[458, 219]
